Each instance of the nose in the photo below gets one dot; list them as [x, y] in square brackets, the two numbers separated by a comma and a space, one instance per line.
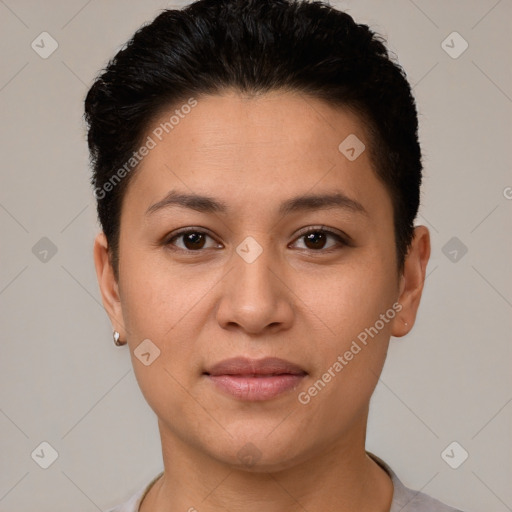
[255, 296]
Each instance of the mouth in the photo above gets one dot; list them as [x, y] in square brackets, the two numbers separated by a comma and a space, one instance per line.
[255, 379]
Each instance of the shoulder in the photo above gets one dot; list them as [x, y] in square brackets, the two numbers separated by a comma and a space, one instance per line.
[133, 503]
[408, 500]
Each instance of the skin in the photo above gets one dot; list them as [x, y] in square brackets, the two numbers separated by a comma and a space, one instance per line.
[297, 301]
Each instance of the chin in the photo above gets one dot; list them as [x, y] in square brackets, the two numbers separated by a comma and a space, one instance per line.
[257, 452]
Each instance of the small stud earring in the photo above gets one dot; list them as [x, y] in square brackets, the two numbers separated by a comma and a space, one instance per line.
[116, 336]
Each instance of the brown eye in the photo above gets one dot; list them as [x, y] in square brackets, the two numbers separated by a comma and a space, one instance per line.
[316, 240]
[191, 240]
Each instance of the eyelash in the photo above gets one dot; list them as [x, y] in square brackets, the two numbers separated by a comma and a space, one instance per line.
[341, 241]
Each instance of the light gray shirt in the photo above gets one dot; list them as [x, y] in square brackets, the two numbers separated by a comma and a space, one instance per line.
[404, 499]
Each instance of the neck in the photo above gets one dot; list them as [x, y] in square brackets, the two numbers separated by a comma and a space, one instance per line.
[339, 477]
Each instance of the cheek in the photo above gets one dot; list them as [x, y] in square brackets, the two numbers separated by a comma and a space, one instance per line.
[158, 296]
[168, 308]
[350, 298]
[348, 305]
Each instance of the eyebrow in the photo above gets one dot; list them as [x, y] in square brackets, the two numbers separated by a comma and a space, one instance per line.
[206, 204]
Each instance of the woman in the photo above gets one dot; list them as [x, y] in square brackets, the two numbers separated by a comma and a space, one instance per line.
[257, 171]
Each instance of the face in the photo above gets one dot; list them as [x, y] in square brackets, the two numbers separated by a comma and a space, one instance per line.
[289, 254]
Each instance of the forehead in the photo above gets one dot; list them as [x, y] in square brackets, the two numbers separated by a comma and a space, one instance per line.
[252, 150]
[284, 124]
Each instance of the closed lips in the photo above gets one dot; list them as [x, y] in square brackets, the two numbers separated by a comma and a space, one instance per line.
[245, 367]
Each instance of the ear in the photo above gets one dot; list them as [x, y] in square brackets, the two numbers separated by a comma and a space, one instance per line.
[108, 285]
[412, 281]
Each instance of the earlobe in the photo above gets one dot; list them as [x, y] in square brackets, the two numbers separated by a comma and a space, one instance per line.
[108, 285]
[412, 281]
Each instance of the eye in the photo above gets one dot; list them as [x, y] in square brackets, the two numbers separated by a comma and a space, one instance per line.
[315, 239]
[192, 240]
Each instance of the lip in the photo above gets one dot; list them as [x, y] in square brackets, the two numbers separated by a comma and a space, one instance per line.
[255, 379]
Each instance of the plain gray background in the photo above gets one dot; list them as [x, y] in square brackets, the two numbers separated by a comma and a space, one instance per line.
[64, 382]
